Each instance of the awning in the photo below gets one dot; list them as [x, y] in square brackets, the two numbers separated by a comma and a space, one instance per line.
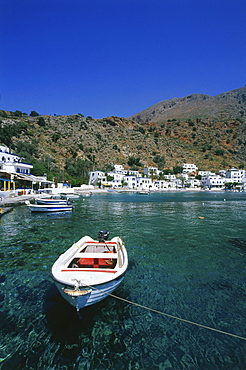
[4, 179]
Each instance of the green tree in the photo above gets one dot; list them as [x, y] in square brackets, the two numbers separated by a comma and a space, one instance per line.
[24, 148]
[134, 162]
[167, 171]
[160, 161]
[41, 121]
[34, 114]
[220, 152]
[108, 168]
[3, 114]
[142, 130]
[39, 169]
[8, 131]
[78, 168]
[177, 169]
[110, 178]
[18, 113]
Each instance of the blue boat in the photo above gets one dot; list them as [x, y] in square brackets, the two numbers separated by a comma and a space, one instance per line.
[49, 207]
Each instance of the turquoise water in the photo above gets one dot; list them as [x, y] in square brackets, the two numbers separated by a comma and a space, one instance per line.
[179, 264]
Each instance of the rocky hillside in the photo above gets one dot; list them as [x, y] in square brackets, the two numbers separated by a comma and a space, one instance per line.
[229, 105]
[207, 131]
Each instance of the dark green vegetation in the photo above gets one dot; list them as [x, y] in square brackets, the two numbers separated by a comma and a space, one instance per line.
[207, 131]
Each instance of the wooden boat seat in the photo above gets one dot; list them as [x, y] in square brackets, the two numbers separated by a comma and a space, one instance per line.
[96, 262]
[98, 249]
[101, 260]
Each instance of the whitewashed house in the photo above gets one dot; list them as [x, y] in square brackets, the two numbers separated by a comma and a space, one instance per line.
[133, 173]
[234, 175]
[184, 177]
[204, 173]
[163, 184]
[118, 178]
[189, 168]
[244, 182]
[17, 174]
[178, 183]
[222, 173]
[97, 177]
[118, 168]
[118, 175]
[193, 183]
[170, 177]
[149, 171]
[213, 181]
[12, 163]
[11, 169]
[135, 182]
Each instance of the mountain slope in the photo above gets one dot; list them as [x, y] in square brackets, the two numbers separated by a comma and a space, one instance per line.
[229, 105]
[213, 140]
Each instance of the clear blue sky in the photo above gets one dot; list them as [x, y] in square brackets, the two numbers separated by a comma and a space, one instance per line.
[117, 57]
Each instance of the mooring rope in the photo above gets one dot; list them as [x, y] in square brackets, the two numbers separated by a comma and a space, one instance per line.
[166, 314]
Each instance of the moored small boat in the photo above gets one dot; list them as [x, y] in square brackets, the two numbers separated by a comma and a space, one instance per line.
[144, 192]
[51, 200]
[49, 207]
[90, 269]
[70, 196]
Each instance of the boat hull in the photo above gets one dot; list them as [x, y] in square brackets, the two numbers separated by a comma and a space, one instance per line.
[51, 201]
[50, 208]
[94, 294]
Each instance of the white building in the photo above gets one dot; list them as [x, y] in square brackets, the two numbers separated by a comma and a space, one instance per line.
[163, 184]
[244, 182]
[118, 178]
[234, 175]
[149, 171]
[222, 173]
[141, 183]
[97, 177]
[189, 167]
[12, 163]
[133, 173]
[204, 173]
[118, 175]
[170, 177]
[118, 168]
[179, 184]
[184, 177]
[213, 181]
[193, 183]
[13, 170]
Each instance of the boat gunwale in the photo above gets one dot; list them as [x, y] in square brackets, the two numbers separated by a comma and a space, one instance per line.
[96, 284]
[61, 273]
[89, 269]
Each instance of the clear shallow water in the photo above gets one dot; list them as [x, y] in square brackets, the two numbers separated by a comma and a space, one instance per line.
[179, 264]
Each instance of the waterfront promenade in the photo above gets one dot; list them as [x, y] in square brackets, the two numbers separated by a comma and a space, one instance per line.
[18, 200]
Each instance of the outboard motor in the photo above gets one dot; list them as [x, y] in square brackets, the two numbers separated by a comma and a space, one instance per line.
[103, 235]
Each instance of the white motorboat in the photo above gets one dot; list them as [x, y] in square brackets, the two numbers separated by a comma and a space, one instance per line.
[49, 207]
[144, 192]
[90, 269]
[51, 200]
[70, 196]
